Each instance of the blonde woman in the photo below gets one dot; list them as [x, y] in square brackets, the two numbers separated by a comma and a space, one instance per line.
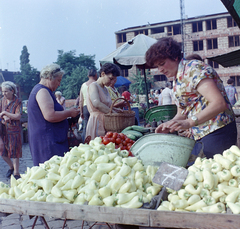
[47, 120]
[60, 99]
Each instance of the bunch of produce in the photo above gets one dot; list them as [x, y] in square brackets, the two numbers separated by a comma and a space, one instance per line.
[92, 174]
[121, 140]
[211, 186]
[135, 132]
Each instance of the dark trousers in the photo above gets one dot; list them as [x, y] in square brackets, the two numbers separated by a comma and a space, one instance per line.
[217, 141]
[86, 115]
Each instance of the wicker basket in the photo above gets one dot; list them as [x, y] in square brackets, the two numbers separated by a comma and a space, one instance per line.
[116, 122]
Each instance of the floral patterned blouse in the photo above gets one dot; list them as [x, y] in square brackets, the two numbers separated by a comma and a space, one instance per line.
[186, 96]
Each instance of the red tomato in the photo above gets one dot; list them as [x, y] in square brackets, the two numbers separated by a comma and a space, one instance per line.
[115, 135]
[106, 141]
[120, 145]
[130, 154]
[129, 147]
[124, 142]
[131, 141]
[118, 140]
[109, 134]
[128, 140]
[122, 136]
[112, 140]
[124, 147]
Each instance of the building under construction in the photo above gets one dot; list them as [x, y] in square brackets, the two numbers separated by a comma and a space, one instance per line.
[208, 36]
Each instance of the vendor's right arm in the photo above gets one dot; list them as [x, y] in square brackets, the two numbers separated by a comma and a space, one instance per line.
[95, 99]
[46, 105]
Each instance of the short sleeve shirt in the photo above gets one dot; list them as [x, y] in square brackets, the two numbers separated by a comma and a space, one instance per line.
[186, 96]
[231, 91]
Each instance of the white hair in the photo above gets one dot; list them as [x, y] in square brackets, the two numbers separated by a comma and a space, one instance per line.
[9, 85]
[58, 93]
[51, 71]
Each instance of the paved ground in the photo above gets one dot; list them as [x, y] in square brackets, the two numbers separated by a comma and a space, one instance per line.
[16, 221]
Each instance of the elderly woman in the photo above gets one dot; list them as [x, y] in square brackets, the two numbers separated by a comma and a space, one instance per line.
[47, 120]
[10, 141]
[60, 99]
[199, 94]
[99, 101]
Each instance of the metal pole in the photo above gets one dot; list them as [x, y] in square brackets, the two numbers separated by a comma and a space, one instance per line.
[146, 87]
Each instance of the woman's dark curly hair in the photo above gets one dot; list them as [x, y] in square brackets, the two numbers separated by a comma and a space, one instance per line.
[110, 68]
[164, 48]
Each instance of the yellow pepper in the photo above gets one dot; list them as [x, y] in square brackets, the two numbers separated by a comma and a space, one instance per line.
[29, 194]
[56, 191]
[104, 180]
[96, 200]
[106, 167]
[110, 201]
[101, 159]
[235, 208]
[125, 187]
[105, 192]
[208, 179]
[80, 199]
[198, 205]
[123, 198]
[191, 189]
[51, 198]
[215, 208]
[130, 161]
[133, 203]
[226, 163]
[235, 150]
[77, 181]
[193, 199]
[70, 194]
[232, 197]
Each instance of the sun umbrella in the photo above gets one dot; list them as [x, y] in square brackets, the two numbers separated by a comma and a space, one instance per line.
[134, 54]
[122, 81]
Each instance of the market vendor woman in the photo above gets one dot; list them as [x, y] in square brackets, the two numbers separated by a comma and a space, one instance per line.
[200, 96]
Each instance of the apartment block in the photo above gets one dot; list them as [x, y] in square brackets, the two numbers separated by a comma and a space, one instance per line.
[207, 35]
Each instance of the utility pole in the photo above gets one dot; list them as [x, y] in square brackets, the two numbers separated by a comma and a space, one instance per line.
[182, 12]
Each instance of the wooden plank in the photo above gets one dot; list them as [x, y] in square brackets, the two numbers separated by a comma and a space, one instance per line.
[194, 220]
[140, 217]
[77, 212]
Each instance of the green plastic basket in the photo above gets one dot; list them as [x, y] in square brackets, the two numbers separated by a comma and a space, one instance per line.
[160, 113]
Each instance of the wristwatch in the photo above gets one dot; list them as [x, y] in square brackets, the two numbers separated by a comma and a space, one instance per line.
[195, 119]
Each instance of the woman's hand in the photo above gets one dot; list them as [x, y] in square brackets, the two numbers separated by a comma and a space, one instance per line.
[74, 111]
[172, 126]
[117, 110]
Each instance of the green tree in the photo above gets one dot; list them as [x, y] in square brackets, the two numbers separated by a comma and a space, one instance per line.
[29, 76]
[76, 70]
[138, 85]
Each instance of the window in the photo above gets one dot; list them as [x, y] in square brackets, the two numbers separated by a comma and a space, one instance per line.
[197, 26]
[212, 43]
[197, 45]
[157, 30]
[236, 80]
[145, 32]
[121, 38]
[160, 78]
[211, 24]
[174, 30]
[231, 22]
[213, 64]
[233, 41]
[124, 72]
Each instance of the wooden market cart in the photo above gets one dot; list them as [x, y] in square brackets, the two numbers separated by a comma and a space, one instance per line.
[138, 217]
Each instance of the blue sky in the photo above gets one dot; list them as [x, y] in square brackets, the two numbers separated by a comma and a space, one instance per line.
[87, 26]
